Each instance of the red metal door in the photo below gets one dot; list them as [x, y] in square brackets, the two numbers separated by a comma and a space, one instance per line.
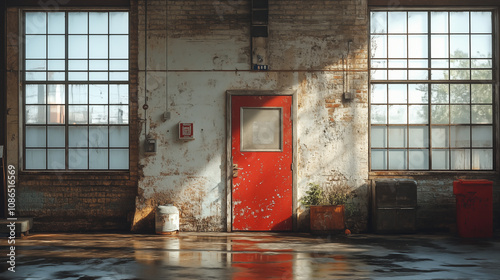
[261, 150]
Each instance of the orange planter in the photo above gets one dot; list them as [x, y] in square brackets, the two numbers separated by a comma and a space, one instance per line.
[327, 218]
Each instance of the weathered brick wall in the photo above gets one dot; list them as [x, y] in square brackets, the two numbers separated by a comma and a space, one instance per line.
[72, 201]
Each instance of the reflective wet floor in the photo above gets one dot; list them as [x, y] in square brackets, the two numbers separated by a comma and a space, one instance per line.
[250, 256]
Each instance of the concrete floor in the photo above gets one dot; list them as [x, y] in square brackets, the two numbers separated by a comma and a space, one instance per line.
[251, 256]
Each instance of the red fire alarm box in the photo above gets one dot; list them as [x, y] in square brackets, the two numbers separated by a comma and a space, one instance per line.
[186, 131]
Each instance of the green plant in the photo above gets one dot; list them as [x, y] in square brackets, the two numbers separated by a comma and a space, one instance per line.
[329, 195]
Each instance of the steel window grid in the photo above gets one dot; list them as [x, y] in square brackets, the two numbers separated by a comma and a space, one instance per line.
[429, 82]
[66, 105]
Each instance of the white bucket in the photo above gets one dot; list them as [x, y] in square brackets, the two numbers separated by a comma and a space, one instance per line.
[167, 219]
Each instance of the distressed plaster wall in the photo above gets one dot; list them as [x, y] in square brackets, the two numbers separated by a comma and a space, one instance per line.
[203, 51]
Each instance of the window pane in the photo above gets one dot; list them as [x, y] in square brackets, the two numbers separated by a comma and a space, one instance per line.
[78, 23]
[439, 22]
[56, 94]
[36, 47]
[418, 75]
[98, 159]
[459, 46]
[118, 76]
[35, 137]
[379, 137]
[116, 49]
[99, 65]
[482, 114]
[118, 114]
[440, 93]
[482, 74]
[118, 65]
[482, 63]
[459, 114]
[98, 136]
[56, 76]
[398, 75]
[460, 136]
[481, 46]
[57, 114]
[418, 63]
[98, 114]
[397, 93]
[78, 94]
[378, 114]
[459, 63]
[397, 159]
[78, 159]
[78, 136]
[78, 114]
[418, 93]
[98, 76]
[35, 114]
[397, 114]
[459, 93]
[98, 45]
[35, 94]
[418, 114]
[439, 46]
[397, 137]
[77, 46]
[440, 114]
[460, 159]
[459, 74]
[397, 46]
[419, 137]
[57, 65]
[118, 23]
[482, 159]
[481, 93]
[419, 159]
[379, 46]
[118, 159]
[378, 75]
[56, 23]
[98, 23]
[379, 159]
[459, 22]
[397, 22]
[118, 136]
[482, 136]
[417, 22]
[56, 136]
[35, 159]
[78, 65]
[440, 159]
[78, 76]
[378, 22]
[440, 136]
[36, 23]
[37, 65]
[57, 47]
[98, 94]
[481, 22]
[118, 94]
[418, 46]
[56, 159]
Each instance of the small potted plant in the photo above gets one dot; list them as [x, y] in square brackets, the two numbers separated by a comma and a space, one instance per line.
[327, 207]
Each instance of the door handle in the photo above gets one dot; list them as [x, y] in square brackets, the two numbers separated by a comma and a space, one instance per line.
[235, 170]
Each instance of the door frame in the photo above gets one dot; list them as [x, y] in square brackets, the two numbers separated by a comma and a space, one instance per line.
[229, 163]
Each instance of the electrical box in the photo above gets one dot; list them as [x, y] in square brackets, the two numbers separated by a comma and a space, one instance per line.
[150, 145]
[186, 131]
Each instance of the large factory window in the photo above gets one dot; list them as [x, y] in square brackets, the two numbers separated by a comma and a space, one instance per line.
[432, 90]
[76, 90]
